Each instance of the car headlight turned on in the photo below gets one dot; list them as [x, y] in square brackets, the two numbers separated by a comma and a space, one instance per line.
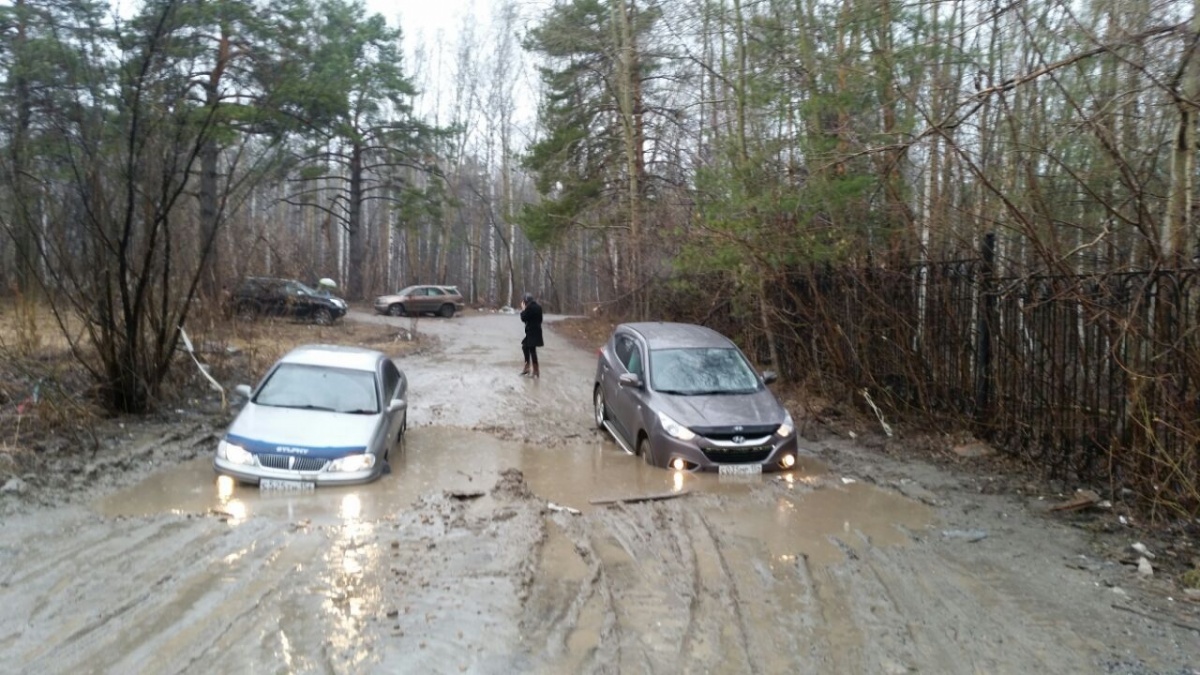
[787, 427]
[675, 429]
[235, 453]
[352, 463]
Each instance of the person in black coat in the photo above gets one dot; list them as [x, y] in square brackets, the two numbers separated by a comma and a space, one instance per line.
[531, 315]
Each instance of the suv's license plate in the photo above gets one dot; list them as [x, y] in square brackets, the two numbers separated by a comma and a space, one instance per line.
[739, 469]
[285, 485]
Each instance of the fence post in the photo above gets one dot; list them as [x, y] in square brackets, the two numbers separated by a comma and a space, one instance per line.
[983, 332]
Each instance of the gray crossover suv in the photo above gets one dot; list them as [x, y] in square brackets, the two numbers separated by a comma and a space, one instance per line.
[417, 300]
[685, 397]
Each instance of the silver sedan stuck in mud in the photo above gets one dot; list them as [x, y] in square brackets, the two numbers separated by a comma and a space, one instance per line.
[323, 415]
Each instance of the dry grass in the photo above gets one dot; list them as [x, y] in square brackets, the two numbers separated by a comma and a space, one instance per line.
[245, 349]
[585, 332]
[29, 329]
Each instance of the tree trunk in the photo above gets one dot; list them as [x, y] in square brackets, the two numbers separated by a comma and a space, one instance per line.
[1178, 223]
[26, 201]
[355, 230]
[631, 107]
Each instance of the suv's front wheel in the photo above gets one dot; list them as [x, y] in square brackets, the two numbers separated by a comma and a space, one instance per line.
[599, 407]
[322, 316]
[396, 310]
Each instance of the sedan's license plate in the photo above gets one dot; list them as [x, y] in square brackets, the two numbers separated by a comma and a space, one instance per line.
[739, 469]
[285, 485]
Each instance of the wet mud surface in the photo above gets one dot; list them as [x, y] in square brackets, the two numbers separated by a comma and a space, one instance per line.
[485, 551]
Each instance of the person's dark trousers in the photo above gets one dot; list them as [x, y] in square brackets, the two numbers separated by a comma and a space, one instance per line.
[530, 358]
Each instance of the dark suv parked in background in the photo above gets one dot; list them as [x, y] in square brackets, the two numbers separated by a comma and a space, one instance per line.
[258, 296]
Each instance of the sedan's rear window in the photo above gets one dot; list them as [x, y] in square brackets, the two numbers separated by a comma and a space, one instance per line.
[316, 388]
[701, 371]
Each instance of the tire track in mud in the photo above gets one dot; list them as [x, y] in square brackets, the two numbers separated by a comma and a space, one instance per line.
[681, 592]
[966, 618]
[55, 592]
[460, 569]
[678, 594]
[192, 598]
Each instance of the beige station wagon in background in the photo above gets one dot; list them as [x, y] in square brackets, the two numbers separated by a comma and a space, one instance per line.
[417, 300]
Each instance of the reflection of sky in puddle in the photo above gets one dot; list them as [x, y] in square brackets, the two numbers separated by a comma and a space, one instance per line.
[807, 524]
[354, 550]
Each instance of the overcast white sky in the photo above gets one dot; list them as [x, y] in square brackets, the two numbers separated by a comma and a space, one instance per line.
[437, 26]
[426, 16]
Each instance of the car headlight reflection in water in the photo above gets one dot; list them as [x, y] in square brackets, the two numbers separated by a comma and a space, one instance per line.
[353, 463]
[234, 453]
[675, 429]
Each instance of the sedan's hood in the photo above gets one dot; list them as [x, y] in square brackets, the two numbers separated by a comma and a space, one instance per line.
[309, 433]
[722, 410]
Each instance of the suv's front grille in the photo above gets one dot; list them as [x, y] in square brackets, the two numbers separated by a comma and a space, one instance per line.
[736, 433]
[296, 463]
[752, 455]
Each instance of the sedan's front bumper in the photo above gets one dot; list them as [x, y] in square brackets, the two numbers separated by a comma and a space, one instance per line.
[252, 474]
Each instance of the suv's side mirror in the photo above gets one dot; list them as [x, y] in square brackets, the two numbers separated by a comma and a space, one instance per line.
[769, 376]
[629, 380]
[243, 390]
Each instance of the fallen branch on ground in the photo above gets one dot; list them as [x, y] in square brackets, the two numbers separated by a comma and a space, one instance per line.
[1173, 621]
[640, 498]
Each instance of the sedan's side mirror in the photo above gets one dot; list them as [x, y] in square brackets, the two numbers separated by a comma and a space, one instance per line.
[769, 376]
[629, 380]
[243, 390]
[397, 404]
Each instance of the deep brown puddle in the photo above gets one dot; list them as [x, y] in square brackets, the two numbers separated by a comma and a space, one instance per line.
[446, 459]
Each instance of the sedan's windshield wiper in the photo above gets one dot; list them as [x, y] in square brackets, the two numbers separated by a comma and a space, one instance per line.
[358, 411]
[675, 392]
[313, 407]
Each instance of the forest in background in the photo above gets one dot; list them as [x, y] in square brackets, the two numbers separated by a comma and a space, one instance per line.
[689, 159]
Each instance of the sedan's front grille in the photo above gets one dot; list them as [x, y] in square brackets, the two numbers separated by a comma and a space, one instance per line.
[736, 434]
[292, 462]
[752, 455]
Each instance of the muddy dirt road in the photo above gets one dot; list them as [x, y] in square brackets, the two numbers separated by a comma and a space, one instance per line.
[483, 553]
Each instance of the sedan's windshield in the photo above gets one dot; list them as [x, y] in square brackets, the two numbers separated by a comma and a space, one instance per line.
[315, 388]
[701, 371]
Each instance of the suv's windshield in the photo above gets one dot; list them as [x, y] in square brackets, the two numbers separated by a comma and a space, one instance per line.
[316, 388]
[701, 371]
